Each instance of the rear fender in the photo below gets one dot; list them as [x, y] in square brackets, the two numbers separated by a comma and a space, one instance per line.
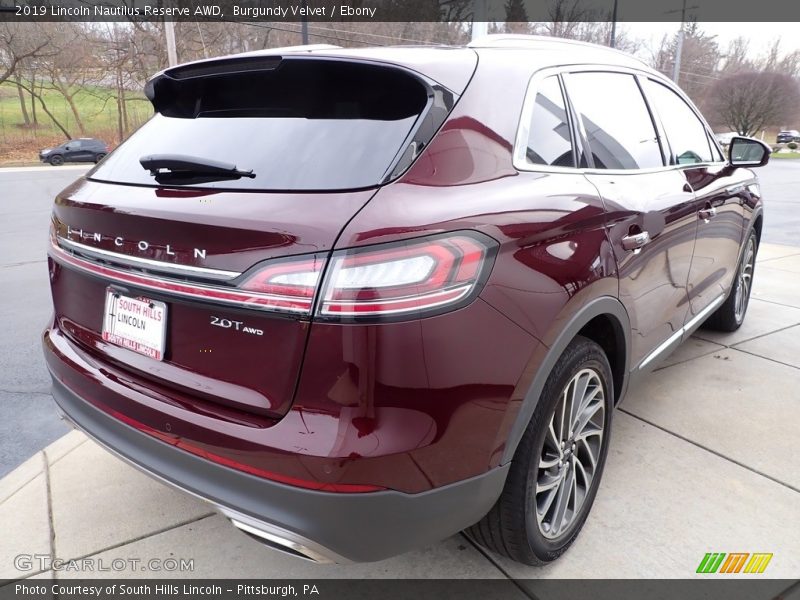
[603, 305]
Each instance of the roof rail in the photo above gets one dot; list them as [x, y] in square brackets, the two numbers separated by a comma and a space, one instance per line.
[511, 40]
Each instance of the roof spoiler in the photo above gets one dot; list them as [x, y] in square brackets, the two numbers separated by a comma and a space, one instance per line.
[162, 85]
[165, 87]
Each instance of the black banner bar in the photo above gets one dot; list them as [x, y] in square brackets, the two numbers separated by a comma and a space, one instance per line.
[712, 588]
[399, 10]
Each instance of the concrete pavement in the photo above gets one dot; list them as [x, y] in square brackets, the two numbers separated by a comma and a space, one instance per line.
[701, 460]
[27, 419]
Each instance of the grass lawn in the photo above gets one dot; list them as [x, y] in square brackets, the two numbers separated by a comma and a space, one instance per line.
[783, 155]
[97, 109]
[96, 106]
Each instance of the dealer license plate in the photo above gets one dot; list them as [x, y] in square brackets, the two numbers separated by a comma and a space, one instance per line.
[138, 324]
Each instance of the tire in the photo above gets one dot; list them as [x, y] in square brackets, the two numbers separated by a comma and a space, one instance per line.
[56, 160]
[730, 316]
[99, 157]
[512, 528]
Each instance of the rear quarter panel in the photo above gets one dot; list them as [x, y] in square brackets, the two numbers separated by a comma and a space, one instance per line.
[553, 258]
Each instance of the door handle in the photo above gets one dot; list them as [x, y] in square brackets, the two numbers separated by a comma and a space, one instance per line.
[635, 241]
[707, 213]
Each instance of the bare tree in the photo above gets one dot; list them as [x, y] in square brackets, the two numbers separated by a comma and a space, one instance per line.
[748, 102]
[23, 101]
[18, 42]
[582, 20]
[700, 59]
[788, 64]
[70, 69]
[737, 57]
[566, 17]
[599, 32]
[37, 95]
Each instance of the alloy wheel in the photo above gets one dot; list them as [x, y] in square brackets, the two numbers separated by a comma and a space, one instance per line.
[571, 450]
[745, 280]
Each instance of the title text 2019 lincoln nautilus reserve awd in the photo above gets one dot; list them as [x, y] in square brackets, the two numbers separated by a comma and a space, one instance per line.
[362, 299]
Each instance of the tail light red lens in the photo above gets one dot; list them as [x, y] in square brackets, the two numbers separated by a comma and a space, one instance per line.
[291, 283]
[408, 279]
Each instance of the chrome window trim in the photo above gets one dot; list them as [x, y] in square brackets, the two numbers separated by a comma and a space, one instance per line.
[709, 134]
[145, 263]
[519, 160]
[519, 156]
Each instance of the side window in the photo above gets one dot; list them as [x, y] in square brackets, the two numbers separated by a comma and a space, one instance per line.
[618, 126]
[549, 141]
[686, 133]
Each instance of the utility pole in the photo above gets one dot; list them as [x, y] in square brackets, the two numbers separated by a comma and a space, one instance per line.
[480, 26]
[676, 73]
[613, 41]
[304, 23]
[169, 32]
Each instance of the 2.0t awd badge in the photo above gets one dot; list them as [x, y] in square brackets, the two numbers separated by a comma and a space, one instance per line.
[237, 325]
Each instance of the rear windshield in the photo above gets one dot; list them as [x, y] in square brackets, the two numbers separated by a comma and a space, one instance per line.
[298, 124]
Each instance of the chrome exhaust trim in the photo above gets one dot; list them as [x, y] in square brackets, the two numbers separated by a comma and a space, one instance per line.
[281, 539]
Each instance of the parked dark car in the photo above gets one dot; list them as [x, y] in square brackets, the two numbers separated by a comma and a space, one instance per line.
[80, 150]
[358, 300]
[791, 135]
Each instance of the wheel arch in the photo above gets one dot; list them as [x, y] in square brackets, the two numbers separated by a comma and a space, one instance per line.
[758, 224]
[605, 321]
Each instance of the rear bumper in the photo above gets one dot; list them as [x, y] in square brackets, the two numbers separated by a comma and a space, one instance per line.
[321, 526]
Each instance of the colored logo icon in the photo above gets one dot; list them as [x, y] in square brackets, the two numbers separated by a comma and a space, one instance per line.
[734, 562]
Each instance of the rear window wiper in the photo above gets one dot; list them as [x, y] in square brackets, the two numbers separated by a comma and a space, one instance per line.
[178, 167]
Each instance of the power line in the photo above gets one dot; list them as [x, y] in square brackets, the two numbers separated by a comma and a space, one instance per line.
[378, 35]
[345, 33]
[699, 75]
[319, 35]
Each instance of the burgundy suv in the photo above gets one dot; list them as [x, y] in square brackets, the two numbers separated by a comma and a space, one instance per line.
[360, 300]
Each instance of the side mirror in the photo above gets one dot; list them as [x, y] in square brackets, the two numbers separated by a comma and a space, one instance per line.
[748, 152]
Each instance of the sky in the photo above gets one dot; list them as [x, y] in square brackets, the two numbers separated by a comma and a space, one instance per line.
[761, 35]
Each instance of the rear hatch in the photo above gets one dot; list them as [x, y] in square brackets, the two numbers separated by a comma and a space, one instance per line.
[190, 256]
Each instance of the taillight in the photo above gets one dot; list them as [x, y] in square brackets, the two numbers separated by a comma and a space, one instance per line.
[290, 284]
[404, 280]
